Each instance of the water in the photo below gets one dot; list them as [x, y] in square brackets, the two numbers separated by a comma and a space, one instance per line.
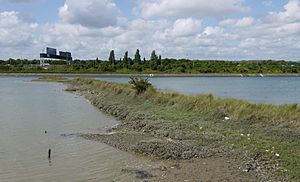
[273, 90]
[27, 110]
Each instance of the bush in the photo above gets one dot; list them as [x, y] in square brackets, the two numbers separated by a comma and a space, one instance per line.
[140, 85]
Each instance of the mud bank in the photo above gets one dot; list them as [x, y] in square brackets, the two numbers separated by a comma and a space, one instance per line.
[202, 144]
[176, 162]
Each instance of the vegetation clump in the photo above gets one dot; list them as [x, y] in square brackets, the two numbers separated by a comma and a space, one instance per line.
[140, 85]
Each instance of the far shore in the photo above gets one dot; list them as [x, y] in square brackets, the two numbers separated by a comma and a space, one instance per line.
[147, 75]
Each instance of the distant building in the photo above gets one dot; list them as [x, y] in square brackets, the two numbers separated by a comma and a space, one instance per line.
[50, 51]
[51, 54]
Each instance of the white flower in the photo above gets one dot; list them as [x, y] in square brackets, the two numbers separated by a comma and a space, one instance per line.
[227, 118]
[277, 155]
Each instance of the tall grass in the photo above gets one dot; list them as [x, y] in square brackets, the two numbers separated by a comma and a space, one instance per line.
[236, 110]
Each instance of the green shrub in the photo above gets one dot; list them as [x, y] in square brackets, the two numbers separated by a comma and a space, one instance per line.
[140, 85]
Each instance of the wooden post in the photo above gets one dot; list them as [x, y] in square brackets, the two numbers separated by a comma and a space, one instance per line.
[49, 153]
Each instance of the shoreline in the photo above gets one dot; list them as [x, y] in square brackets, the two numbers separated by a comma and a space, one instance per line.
[148, 131]
[143, 75]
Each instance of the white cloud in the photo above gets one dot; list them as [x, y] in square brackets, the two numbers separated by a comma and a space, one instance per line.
[17, 36]
[91, 13]
[185, 27]
[291, 13]
[190, 8]
[272, 35]
[243, 22]
[15, 31]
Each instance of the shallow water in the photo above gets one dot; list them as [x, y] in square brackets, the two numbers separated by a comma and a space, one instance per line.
[274, 90]
[29, 109]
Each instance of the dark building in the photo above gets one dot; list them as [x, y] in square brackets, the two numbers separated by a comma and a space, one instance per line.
[51, 53]
[65, 54]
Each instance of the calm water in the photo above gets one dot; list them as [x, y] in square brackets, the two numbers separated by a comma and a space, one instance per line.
[27, 110]
[275, 90]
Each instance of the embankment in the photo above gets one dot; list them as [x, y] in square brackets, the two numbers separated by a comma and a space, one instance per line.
[264, 139]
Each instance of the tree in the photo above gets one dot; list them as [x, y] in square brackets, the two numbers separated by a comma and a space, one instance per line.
[137, 57]
[153, 56]
[153, 60]
[112, 58]
[159, 60]
[125, 59]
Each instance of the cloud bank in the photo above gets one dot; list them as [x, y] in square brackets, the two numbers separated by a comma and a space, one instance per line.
[178, 31]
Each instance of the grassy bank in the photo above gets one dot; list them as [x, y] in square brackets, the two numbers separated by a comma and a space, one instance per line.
[268, 134]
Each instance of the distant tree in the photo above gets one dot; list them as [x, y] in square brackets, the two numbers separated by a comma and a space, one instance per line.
[159, 60]
[153, 60]
[153, 57]
[137, 57]
[112, 58]
[125, 59]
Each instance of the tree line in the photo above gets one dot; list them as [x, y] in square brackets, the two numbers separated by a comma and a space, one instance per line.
[154, 60]
[154, 64]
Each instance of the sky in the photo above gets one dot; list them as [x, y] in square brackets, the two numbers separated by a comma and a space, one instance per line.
[193, 29]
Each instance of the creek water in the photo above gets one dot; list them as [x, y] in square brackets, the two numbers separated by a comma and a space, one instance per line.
[29, 109]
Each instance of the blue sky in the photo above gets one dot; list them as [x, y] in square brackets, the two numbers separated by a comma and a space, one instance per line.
[215, 29]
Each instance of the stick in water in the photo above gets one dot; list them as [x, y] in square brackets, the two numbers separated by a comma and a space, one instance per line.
[49, 153]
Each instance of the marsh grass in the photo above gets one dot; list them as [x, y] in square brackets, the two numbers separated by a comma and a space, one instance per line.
[51, 78]
[264, 128]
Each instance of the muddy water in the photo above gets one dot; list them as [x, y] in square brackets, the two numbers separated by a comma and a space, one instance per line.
[27, 110]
